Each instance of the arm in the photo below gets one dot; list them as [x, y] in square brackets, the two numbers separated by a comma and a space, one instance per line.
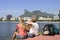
[16, 28]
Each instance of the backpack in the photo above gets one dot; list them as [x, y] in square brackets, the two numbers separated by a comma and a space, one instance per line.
[51, 29]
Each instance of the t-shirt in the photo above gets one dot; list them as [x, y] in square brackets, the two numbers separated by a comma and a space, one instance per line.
[21, 30]
[36, 28]
[31, 30]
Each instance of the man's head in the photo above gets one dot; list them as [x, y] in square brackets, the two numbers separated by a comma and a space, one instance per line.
[34, 19]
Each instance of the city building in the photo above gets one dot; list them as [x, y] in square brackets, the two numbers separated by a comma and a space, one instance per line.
[13, 18]
[4, 18]
[56, 17]
[49, 19]
[40, 18]
[18, 18]
[26, 18]
[44, 18]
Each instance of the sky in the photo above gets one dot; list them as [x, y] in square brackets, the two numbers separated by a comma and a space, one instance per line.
[16, 7]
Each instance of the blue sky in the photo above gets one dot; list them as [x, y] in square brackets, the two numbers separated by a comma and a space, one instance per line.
[16, 7]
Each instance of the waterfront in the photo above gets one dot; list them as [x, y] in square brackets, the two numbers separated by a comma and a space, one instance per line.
[7, 28]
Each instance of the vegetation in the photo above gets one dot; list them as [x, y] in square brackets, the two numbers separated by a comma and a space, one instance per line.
[59, 14]
[40, 33]
[9, 16]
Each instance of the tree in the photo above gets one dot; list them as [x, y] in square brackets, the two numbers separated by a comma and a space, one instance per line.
[8, 16]
[59, 14]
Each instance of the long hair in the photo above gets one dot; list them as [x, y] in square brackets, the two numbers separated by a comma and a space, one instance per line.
[22, 23]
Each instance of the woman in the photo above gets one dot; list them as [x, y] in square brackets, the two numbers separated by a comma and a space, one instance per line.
[30, 28]
[20, 30]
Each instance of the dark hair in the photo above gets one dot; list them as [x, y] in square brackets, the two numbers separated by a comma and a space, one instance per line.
[34, 19]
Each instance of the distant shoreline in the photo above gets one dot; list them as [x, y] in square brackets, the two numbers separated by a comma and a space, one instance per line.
[37, 21]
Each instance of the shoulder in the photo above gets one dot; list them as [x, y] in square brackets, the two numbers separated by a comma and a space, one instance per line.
[35, 23]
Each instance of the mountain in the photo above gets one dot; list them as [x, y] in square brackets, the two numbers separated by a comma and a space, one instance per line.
[26, 13]
[38, 13]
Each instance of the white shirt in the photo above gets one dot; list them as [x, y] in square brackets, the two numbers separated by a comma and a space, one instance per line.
[36, 28]
[31, 30]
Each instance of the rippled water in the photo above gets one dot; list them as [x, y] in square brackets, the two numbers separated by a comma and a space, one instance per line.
[7, 29]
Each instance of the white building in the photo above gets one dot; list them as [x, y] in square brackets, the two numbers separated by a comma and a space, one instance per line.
[3, 19]
[19, 18]
[13, 18]
[26, 18]
[56, 17]
[40, 18]
[49, 19]
[44, 18]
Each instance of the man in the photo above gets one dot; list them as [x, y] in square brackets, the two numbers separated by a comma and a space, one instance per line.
[36, 26]
[30, 28]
